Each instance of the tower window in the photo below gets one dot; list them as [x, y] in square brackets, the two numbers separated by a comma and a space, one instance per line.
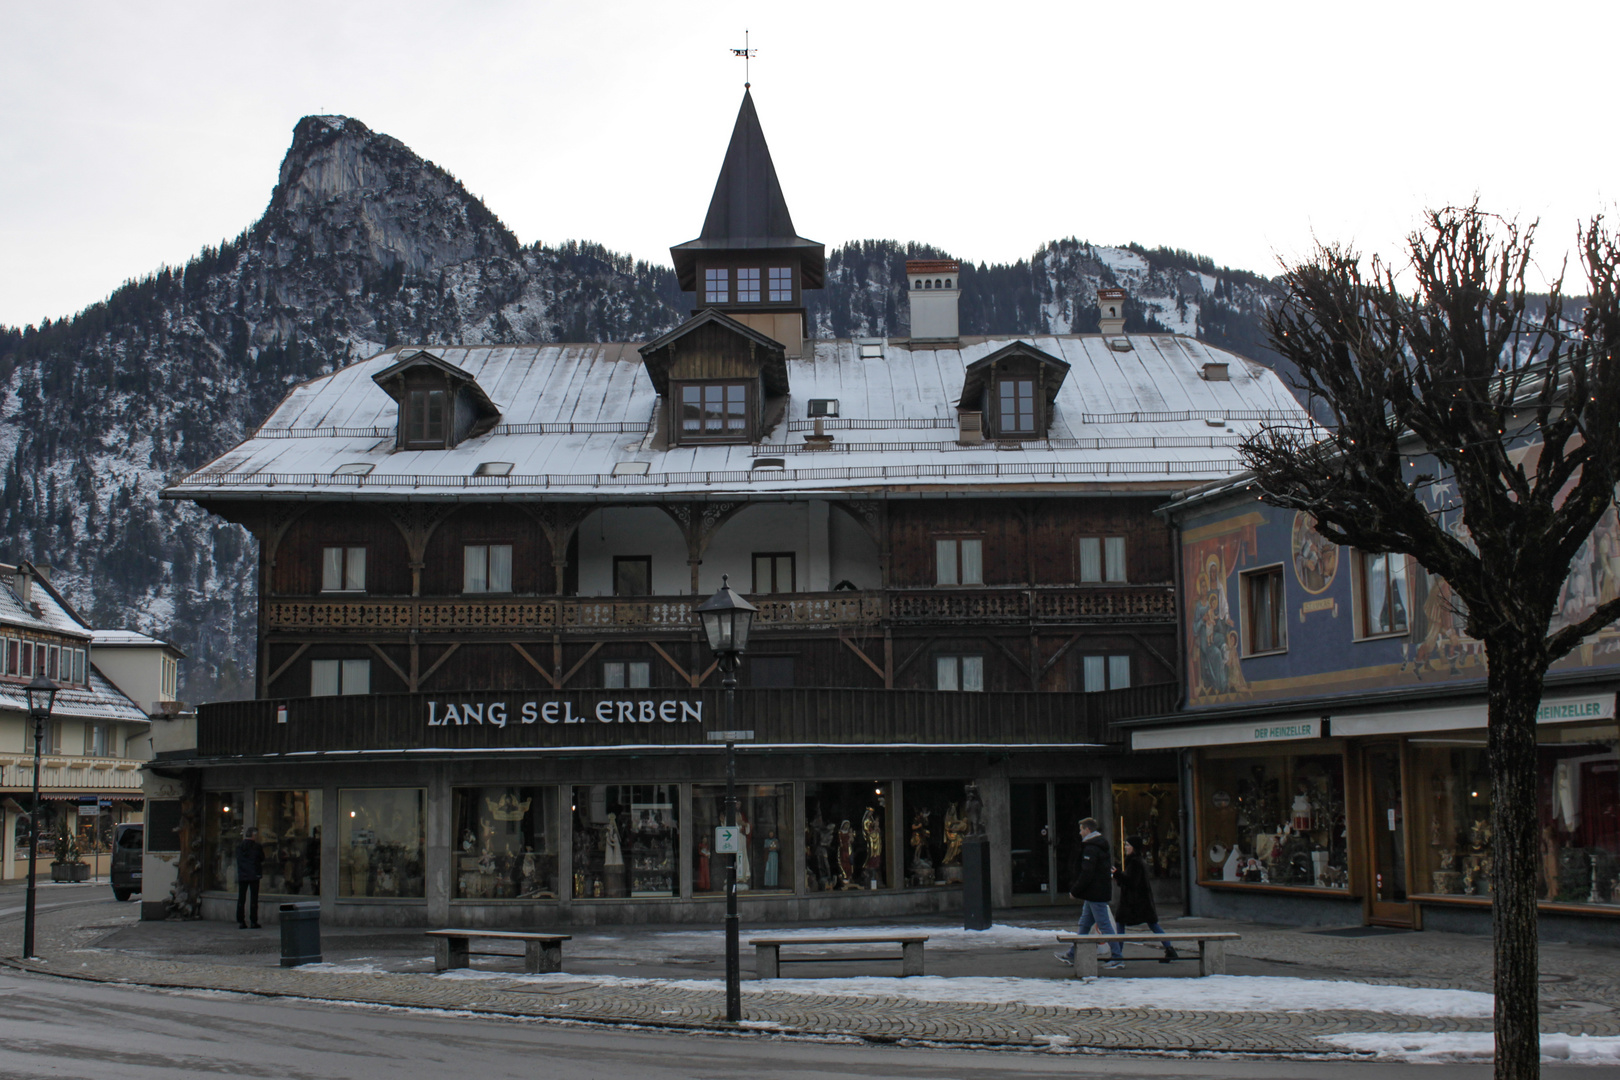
[781, 281]
[716, 286]
[748, 286]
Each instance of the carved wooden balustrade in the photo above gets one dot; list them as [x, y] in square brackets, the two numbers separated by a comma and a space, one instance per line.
[790, 611]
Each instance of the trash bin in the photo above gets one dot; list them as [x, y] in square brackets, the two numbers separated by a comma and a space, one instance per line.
[300, 933]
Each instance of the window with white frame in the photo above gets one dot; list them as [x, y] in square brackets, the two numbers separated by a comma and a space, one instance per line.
[748, 286]
[1105, 673]
[486, 568]
[171, 678]
[343, 569]
[959, 561]
[79, 666]
[95, 740]
[53, 663]
[716, 286]
[626, 674]
[330, 678]
[781, 282]
[959, 672]
[1102, 558]
[8, 655]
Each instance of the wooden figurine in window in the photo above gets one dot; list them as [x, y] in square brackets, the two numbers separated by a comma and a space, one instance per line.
[922, 866]
[872, 832]
[745, 862]
[703, 883]
[846, 854]
[773, 861]
[613, 857]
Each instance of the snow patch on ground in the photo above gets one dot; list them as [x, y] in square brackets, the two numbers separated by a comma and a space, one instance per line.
[949, 939]
[1477, 1046]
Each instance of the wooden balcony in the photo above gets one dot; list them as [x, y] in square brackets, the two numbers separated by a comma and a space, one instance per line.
[788, 611]
[670, 719]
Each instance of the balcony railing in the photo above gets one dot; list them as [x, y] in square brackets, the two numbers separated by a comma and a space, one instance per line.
[545, 719]
[787, 611]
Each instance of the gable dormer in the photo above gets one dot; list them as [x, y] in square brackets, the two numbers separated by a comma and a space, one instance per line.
[440, 405]
[718, 380]
[1015, 390]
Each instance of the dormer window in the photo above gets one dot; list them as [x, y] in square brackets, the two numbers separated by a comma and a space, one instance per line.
[716, 410]
[440, 405]
[1015, 391]
[1015, 408]
[716, 286]
[424, 418]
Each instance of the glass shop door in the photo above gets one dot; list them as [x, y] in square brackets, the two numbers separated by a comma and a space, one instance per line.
[1386, 834]
[1046, 839]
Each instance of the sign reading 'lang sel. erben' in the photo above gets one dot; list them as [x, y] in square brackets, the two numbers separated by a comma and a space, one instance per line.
[500, 713]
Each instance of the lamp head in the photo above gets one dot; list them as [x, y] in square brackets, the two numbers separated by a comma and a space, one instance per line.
[727, 619]
[41, 697]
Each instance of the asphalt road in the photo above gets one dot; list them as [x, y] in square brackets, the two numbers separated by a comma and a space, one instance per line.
[53, 1027]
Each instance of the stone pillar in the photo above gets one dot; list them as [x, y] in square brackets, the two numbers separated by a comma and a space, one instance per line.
[996, 794]
[437, 857]
[329, 852]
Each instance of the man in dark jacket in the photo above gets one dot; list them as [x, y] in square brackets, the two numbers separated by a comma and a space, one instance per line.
[249, 869]
[1094, 887]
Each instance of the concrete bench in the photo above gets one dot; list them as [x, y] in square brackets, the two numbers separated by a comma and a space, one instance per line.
[1211, 949]
[768, 952]
[541, 952]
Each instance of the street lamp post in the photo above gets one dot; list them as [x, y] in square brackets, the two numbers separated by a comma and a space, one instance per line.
[41, 700]
[727, 619]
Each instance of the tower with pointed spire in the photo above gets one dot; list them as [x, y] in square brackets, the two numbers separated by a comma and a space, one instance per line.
[749, 262]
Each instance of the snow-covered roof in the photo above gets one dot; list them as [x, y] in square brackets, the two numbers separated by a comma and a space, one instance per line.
[101, 700]
[129, 638]
[43, 610]
[576, 416]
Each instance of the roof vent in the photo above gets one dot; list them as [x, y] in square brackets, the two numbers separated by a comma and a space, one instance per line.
[494, 468]
[1212, 421]
[823, 407]
[871, 350]
[1111, 311]
[354, 468]
[631, 468]
[1215, 371]
[770, 463]
[1120, 344]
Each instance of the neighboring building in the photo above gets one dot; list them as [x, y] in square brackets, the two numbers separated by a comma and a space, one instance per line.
[1333, 733]
[94, 744]
[479, 674]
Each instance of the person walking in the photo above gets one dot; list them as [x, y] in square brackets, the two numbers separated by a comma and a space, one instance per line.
[1094, 887]
[1136, 904]
[249, 869]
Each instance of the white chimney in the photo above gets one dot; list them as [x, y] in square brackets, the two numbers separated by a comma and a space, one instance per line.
[935, 285]
[1111, 311]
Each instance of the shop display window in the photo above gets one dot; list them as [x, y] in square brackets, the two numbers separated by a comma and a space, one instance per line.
[222, 831]
[289, 824]
[93, 829]
[505, 844]
[766, 827]
[1276, 820]
[846, 836]
[381, 842]
[626, 841]
[936, 825]
[1578, 806]
[1153, 812]
[51, 815]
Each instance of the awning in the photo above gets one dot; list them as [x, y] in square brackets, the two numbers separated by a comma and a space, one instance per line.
[1562, 710]
[1261, 731]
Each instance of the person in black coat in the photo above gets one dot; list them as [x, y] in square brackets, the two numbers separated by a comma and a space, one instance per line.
[249, 869]
[1136, 904]
[1094, 887]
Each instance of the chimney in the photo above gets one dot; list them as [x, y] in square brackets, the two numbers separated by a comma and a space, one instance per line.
[969, 427]
[1111, 311]
[43, 569]
[23, 582]
[935, 286]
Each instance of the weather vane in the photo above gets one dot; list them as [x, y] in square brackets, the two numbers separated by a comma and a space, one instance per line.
[747, 55]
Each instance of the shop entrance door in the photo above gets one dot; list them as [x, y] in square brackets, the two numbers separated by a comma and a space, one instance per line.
[1386, 830]
[1045, 819]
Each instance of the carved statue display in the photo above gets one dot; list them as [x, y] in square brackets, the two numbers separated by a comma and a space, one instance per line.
[956, 828]
[846, 854]
[872, 833]
[974, 810]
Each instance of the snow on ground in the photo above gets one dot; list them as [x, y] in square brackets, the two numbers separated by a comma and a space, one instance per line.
[947, 938]
[1477, 1046]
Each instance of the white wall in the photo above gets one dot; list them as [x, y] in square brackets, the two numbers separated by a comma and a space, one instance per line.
[767, 527]
[137, 671]
[853, 556]
[632, 530]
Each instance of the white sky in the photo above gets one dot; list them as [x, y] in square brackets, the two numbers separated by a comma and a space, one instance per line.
[133, 134]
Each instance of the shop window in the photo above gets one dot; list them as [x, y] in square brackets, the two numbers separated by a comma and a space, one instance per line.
[748, 286]
[51, 817]
[343, 569]
[1153, 812]
[1265, 619]
[846, 836]
[781, 283]
[1102, 558]
[1578, 814]
[767, 833]
[632, 575]
[959, 561]
[626, 839]
[717, 411]
[936, 825]
[1275, 820]
[289, 824]
[1383, 598]
[330, 678]
[506, 847]
[486, 568]
[770, 672]
[959, 673]
[626, 674]
[716, 286]
[222, 831]
[381, 842]
[1015, 407]
[774, 572]
[1105, 673]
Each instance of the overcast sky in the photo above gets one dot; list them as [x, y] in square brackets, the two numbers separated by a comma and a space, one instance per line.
[133, 134]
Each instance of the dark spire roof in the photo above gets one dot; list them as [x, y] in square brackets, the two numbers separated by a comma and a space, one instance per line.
[748, 211]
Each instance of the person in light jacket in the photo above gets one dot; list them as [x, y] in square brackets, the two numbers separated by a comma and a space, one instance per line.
[1136, 894]
[1094, 887]
[249, 869]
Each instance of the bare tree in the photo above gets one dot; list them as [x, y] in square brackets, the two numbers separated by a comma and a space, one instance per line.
[1455, 380]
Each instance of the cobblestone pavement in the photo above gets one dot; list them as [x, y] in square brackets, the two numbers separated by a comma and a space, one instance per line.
[106, 942]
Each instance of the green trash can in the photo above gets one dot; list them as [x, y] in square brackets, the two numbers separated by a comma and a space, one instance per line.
[300, 933]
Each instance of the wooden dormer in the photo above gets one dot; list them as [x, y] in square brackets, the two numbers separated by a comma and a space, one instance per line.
[718, 380]
[1015, 389]
[440, 405]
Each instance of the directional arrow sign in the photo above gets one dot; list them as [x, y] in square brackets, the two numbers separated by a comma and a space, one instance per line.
[727, 840]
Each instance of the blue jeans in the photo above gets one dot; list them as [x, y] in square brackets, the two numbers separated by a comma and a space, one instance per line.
[1095, 913]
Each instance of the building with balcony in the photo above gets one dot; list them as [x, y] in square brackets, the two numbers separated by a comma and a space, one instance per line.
[481, 685]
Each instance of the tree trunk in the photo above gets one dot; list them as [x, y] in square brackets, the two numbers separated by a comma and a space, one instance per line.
[1515, 682]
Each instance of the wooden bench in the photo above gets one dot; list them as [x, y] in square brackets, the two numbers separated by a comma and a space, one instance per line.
[1211, 949]
[541, 952]
[768, 952]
